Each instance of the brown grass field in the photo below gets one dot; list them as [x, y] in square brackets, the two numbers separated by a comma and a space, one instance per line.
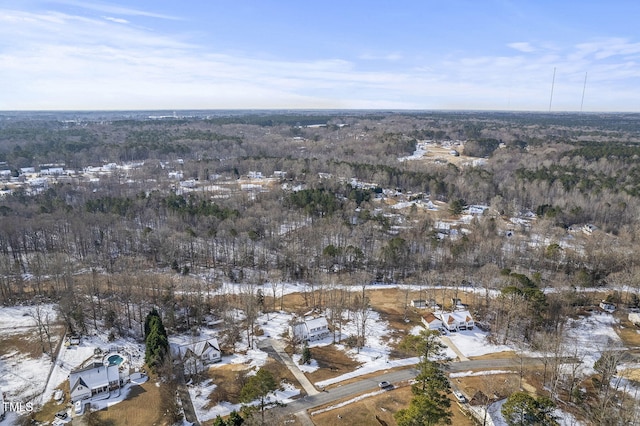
[383, 406]
[139, 409]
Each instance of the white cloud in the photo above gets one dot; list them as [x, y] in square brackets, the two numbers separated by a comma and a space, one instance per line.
[381, 57]
[53, 60]
[114, 9]
[116, 20]
[522, 47]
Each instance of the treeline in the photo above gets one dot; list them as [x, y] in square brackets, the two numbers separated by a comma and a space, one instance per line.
[327, 225]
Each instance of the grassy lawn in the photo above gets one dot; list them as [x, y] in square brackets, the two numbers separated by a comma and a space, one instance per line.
[139, 409]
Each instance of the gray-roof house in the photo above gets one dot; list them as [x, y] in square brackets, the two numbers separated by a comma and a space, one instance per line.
[195, 356]
[96, 381]
[310, 329]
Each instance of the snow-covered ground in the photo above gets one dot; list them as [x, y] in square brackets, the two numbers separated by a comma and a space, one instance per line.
[474, 343]
[21, 376]
[26, 379]
[74, 356]
[589, 336]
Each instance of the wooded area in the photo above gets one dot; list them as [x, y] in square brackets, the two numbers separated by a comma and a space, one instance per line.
[258, 199]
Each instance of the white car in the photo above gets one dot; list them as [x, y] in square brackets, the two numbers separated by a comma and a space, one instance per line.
[459, 396]
[58, 394]
[79, 407]
[385, 385]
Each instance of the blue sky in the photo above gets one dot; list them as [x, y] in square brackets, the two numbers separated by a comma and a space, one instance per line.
[375, 54]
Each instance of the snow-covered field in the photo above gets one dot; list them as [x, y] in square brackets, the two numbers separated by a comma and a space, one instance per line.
[25, 379]
[589, 336]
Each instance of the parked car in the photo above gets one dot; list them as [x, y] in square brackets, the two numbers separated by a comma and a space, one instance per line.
[459, 396]
[79, 407]
[62, 415]
[385, 385]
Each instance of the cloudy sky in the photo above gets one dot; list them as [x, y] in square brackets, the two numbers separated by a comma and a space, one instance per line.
[365, 54]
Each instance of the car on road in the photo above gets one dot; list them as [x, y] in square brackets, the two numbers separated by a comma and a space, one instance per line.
[459, 396]
[385, 385]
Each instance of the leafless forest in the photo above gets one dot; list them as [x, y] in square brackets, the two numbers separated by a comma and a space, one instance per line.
[257, 199]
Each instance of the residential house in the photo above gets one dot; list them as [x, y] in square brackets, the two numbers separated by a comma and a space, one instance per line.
[458, 320]
[196, 356]
[310, 329]
[95, 381]
[431, 321]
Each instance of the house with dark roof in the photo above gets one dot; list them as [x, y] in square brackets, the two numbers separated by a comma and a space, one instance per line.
[431, 321]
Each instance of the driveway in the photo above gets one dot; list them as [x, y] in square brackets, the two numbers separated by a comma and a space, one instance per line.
[278, 347]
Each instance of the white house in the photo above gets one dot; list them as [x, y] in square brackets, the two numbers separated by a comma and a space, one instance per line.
[96, 381]
[431, 321]
[196, 356]
[455, 321]
[310, 329]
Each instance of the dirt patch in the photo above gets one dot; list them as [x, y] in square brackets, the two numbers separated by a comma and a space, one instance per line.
[28, 342]
[629, 333]
[332, 363]
[497, 355]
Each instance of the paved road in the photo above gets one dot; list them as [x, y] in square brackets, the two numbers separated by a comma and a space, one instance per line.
[344, 391]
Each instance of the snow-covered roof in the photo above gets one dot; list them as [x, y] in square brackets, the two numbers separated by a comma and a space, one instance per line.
[458, 316]
[319, 322]
[93, 377]
[199, 348]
